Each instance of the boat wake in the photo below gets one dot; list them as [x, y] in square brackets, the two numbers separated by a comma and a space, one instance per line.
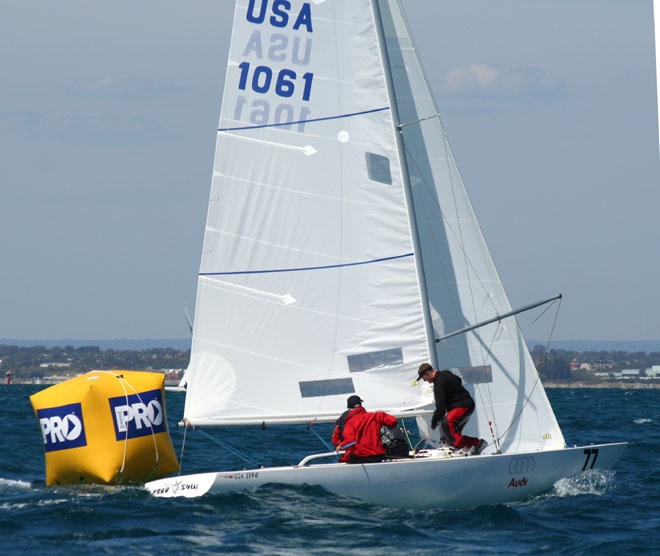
[595, 482]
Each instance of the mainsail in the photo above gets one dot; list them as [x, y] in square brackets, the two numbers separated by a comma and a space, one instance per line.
[340, 240]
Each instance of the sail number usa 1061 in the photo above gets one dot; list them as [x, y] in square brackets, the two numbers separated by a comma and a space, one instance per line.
[262, 79]
[279, 37]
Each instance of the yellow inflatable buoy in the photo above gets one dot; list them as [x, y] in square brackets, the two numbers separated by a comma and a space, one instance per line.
[106, 427]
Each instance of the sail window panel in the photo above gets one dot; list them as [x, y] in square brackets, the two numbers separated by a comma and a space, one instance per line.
[328, 387]
[378, 168]
[360, 362]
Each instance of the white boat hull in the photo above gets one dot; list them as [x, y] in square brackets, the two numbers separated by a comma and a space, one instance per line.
[432, 480]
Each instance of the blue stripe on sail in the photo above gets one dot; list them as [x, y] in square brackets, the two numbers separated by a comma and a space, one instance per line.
[268, 271]
[306, 121]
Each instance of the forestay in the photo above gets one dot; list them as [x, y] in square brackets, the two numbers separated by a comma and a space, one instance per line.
[313, 282]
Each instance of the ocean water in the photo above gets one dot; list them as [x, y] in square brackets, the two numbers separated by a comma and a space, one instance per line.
[614, 512]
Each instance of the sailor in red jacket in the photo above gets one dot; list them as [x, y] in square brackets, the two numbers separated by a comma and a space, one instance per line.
[358, 426]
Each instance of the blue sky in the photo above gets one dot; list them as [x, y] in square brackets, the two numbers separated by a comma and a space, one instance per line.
[108, 113]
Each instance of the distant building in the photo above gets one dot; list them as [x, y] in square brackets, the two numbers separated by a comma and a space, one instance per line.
[55, 365]
[653, 372]
[54, 379]
[627, 374]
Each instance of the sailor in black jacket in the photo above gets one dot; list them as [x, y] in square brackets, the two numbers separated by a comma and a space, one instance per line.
[453, 407]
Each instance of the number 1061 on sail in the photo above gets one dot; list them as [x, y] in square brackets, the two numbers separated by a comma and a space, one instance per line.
[283, 83]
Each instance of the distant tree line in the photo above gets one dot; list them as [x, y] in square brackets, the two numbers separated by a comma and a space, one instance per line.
[555, 364]
[38, 361]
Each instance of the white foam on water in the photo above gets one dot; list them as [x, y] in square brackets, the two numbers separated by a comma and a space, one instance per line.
[592, 482]
[33, 503]
[12, 483]
[8, 506]
[641, 421]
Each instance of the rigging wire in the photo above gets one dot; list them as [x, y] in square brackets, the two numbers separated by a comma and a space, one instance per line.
[538, 376]
[553, 325]
[470, 267]
[491, 419]
[406, 433]
[229, 448]
[326, 444]
[457, 235]
[466, 258]
[186, 424]
[450, 231]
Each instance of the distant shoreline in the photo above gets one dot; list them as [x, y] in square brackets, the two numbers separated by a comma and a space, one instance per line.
[630, 346]
[619, 384]
[650, 385]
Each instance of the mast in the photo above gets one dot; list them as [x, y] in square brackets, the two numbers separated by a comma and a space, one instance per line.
[419, 266]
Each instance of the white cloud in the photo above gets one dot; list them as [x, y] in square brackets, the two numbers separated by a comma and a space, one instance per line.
[481, 80]
[76, 128]
[125, 87]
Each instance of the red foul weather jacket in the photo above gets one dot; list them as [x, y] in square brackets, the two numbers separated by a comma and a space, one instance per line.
[363, 428]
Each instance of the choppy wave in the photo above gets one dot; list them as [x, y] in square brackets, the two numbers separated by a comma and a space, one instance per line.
[595, 513]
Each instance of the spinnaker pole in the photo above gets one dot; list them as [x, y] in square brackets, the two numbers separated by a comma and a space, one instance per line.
[498, 318]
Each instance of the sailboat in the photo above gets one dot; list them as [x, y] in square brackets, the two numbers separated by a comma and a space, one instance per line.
[340, 252]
